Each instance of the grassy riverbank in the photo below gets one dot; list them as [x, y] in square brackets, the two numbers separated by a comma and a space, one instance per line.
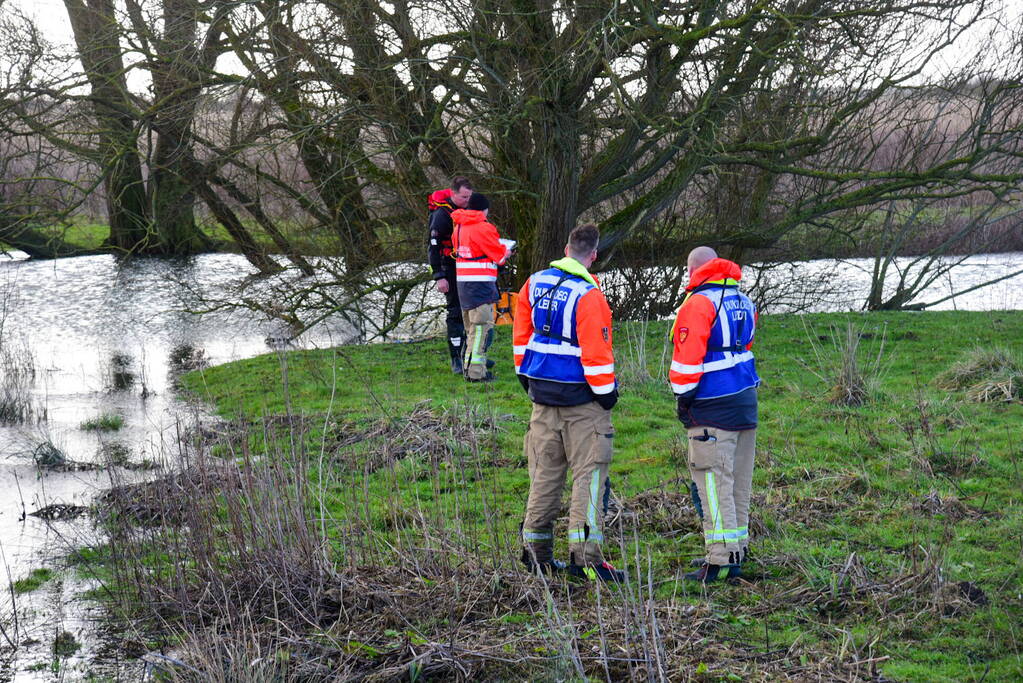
[888, 538]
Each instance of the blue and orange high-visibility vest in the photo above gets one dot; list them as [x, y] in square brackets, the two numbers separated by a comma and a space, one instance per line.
[562, 328]
[713, 334]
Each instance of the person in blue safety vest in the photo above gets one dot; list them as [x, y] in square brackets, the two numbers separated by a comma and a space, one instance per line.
[714, 378]
[565, 362]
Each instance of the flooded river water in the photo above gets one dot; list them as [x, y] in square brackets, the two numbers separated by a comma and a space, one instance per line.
[97, 338]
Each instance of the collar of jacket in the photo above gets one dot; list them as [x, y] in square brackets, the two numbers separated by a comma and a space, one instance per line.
[717, 271]
[573, 267]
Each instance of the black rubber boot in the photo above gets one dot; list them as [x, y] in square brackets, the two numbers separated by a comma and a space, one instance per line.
[456, 345]
[734, 570]
[540, 557]
[708, 573]
[595, 572]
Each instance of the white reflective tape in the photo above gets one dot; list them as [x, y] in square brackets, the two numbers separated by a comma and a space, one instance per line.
[519, 350]
[730, 361]
[433, 242]
[686, 369]
[475, 265]
[569, 313]
[602, 388]
[723, 324]
[683, 388]
[477, 278]
[598, 369]
[555, 349]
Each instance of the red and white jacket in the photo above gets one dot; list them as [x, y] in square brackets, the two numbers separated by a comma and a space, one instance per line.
[476, 247]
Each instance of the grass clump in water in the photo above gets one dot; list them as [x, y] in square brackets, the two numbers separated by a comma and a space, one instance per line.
[33, 581]
[65, 644]
[17, 374]
[986, 375]
[103, 423]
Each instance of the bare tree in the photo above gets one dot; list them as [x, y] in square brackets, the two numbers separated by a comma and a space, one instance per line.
[742, 124]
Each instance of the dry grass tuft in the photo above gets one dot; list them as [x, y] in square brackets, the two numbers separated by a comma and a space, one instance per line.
[950, 507]
[165, 501]
[987, 375]
[437, 436]
[852, 590]
[667, 510]
[851, 381]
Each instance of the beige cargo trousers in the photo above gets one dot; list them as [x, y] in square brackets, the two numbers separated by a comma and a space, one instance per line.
[721, 465]
[562, 437]
[478, 323]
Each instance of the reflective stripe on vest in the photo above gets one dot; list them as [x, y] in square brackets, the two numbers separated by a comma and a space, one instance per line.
[726, 372]
[553, 352]
[476, 271]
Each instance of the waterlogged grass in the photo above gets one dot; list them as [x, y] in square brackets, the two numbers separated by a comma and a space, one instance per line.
[887, 535]
[33, 581]
[90, 235]
[109, 422]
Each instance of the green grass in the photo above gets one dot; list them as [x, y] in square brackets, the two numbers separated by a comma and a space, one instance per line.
[916, 479]
[33, 581]
[89, 235]
[109, 422]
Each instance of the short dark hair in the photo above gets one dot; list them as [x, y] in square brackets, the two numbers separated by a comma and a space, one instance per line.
[478, 202]
[583, 240]
[460, 181]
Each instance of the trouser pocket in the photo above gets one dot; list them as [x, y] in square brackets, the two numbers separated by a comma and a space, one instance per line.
[703, 448]
[603, 439]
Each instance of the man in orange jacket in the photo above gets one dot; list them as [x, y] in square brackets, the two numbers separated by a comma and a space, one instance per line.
[714, 378]
[565, 362]
[478, 252]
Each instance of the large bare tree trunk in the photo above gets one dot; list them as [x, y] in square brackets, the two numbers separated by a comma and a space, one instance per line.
[97, 36]
[560, 194]
[177, 84]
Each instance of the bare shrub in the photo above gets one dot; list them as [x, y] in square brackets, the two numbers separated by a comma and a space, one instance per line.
[632, 359]
[17, 375]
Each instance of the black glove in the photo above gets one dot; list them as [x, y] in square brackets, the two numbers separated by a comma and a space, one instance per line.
[608, 401]
[524, 381]
[684, 403]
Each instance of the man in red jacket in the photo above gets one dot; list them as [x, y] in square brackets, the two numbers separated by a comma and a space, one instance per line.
[441, 204]
[478, 252]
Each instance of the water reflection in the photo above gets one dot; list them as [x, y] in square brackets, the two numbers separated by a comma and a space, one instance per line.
[87, 339]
